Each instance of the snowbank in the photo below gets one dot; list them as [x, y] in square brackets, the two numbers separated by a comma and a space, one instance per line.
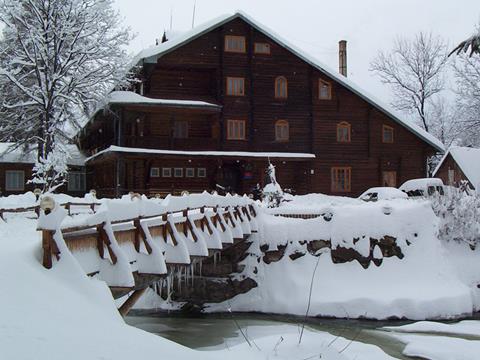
[422, 285]
[62, 314]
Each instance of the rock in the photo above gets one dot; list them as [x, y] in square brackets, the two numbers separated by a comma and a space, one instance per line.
[296, 255]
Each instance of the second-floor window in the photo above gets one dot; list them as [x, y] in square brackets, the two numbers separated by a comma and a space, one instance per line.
[235, 86]
[343, 132]
[387, 134]
[236, 129]
[180, 129]
[235, 44]
[281, 87]
[282, 131]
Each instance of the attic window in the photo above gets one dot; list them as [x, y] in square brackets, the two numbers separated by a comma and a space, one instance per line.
[387, 134]
[324, 90]
[262, 48]
[235, 44]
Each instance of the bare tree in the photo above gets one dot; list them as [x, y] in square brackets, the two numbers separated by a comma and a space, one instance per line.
[57, 59]
[414, 71]
[467, 74]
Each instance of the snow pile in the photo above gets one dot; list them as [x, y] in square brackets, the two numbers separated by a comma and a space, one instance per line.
[422, 285]
[63, 314]
[440, 341]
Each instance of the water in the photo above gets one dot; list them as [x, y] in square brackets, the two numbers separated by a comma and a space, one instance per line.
[221, 329]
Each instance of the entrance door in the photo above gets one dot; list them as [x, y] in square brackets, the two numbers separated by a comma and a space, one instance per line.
[389, 178]
[231, 178]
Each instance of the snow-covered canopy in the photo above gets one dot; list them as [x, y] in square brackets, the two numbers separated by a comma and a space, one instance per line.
[468, 159]
[251, 154]
[152, 54]
[132, 98]
[75, 157]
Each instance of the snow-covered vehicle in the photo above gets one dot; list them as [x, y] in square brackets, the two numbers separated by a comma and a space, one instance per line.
[382, 193]
[423, 187]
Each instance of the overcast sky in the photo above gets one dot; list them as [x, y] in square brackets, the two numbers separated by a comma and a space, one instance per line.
[317, 25]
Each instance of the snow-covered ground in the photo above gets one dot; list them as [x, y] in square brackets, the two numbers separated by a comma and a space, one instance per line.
[433, 280]
[63, 314]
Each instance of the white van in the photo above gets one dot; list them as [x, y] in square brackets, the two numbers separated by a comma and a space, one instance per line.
[423, 187]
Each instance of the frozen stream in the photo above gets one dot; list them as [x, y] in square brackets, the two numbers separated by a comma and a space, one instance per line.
[220, 330]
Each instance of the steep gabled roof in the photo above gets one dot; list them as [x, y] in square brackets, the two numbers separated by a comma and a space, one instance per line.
[152, 54]
[468, 160]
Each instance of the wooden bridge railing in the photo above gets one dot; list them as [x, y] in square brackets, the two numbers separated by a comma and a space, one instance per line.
[170, 238]
[36, 208]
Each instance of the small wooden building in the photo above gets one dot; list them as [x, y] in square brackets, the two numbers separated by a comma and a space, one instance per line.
[16, 169]
[460, 164]
[215, 104]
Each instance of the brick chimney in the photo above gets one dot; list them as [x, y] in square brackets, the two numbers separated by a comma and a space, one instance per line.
[342, 57]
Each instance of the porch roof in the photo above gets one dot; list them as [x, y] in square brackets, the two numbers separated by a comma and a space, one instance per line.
[231, 154]
[131, 98]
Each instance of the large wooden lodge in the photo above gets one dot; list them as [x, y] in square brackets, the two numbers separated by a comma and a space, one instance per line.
[215, 104]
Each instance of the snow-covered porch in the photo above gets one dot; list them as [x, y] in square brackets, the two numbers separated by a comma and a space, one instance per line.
[152, 171]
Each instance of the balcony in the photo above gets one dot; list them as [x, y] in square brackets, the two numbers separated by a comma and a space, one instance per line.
[170, 143]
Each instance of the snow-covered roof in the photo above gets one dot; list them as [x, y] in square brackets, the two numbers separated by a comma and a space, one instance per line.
[76, 158]
[468, 159]
[152, 54]
[132, 98]
[238, 154]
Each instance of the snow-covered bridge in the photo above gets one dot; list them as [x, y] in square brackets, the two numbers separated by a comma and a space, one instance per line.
[135, 242]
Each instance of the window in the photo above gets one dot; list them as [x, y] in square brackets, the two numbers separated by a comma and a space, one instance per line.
[341, 179]
[202, 172]
[166, 172]
[235, 44]
[190, 172]
[387, 134]
[324, 90]
[180, 129]
[235, 86]
[76, 181]
[343, 132]
[154, 172]
[261, 48]
[236, 129]
[451, 177]
[282, 130]
[14, 180]
[281, 88]
[178, 172]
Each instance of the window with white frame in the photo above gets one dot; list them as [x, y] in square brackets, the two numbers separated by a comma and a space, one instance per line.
[189, 172]
[14, 180]
[202, 172]
[178, 172]
[76, 181]
[166, 172]
[154, 172]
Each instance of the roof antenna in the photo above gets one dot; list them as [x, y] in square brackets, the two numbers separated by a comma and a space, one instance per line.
[171, 17]
[193, 16]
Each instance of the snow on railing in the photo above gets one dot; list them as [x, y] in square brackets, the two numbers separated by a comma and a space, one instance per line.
[142, 236]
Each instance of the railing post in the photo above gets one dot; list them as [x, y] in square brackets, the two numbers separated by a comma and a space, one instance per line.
[49, 247]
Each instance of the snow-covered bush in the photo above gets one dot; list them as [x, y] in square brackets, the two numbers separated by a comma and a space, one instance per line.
[459, 213]
[50, 172]
[272, 194]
